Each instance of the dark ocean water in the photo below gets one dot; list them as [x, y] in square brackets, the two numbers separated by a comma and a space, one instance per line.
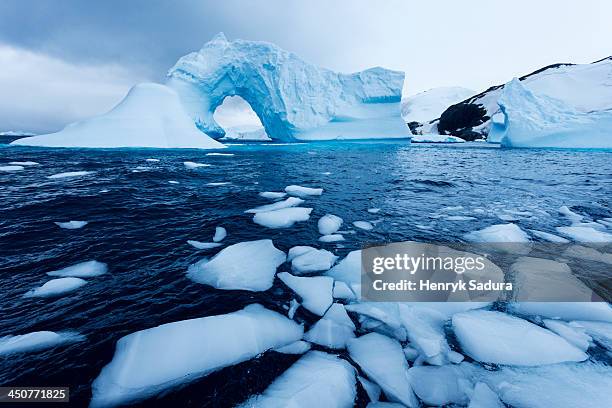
[139, 227]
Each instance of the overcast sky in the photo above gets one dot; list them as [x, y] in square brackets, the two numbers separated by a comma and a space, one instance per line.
[65, 60]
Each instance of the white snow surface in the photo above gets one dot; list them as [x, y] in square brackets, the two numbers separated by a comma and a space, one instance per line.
[429, 105]
[283, 218]
[87, 269]
[316, 292]
[249, 265]
[151, 360]
[71, 224]
[57, 287]
[329, 224]
[36, 341]
[151, 115]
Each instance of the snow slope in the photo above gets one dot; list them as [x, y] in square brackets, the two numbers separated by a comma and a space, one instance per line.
[429, 105]
[151, 115]
[294, 99]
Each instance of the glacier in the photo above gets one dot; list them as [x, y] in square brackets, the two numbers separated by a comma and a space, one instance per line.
[293, 99]
[538, 120]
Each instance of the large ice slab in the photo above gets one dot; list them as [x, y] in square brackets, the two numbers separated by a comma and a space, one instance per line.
[151, 115]
[36, 341]
[316, 291]
[333, 330]
[294, 99]
[151, 360]
[247, 265]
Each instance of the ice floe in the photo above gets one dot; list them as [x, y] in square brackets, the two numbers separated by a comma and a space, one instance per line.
[56, 287]
[331, 238]
[247, 265]
[71, 224]
[598, 311]
[329, 224]
[573, 335]
[314, 260]
[371, 388]
[546, 236]
[220, 234]
[316, 292]
[24, 163]
[495, 337]
[303, 192]
[87, 269]
[348, 271]
[203, 245]
[152, 160]
[273, 195]
[570, 215]
[585, 234]
[283, 218]
[364, 225]
[599, 331]
[382, 360]
[288, 203]
[151, 360]
[588, 254]
[11, 168]
[373, 210]
[70, 174]
[220, 154]
[484, 397]
[342, 291]
[194, 165]
[297, 347]
[36, 341]
[333, 330]
[499, 233]
[440, 386]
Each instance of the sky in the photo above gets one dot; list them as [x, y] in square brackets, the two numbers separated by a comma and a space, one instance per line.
[65, 60]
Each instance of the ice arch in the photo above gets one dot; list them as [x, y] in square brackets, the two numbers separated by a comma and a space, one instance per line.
[294, 99]
[239, 121]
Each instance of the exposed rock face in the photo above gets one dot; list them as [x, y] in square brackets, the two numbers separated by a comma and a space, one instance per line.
[294, 99]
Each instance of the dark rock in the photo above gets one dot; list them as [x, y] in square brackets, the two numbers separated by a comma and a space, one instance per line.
[461, 117]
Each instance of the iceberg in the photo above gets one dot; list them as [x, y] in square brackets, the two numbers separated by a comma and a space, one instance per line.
[495, 337]
[36, 341]
[538, 120]
[316, 292]
[152, 360]
[283, 218]
[88, 269]
[316, 380]
[150, 115]
[71, 224]
[293, 99]
[247, 265]
[329, 224]
[56, 287]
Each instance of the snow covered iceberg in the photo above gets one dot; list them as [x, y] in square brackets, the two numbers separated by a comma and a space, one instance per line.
[538, 120]
[151, 115]
[294, 99]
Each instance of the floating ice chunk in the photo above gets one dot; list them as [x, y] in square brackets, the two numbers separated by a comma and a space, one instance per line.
[348, 271]
[203, 245]
[194, 165]
[297, 347]
[570, 215]
[333, 330]
[219, 154]
[601, 332]
[296, 251]
[88, 269]
[598, 311]
[221, 183]
[382, 360]
[247, 265]
[36, 341]
[371, 388]
[573, 335]
[328, 224]
[313, 261]
[272, 195]
[364, 225]
[500, 233]
[23, 163]
[373, 210]
[220, 234]
[11, 168]
[494, 337]
[288, 203]
[173, 182]
[316, 291]
[283, 218]
[315, 380]
[331, 238]
[459, 218]
[151, 360]
[294, 305]
[589, 254]
[303, 191]
[342, 291]
[56, 287]
[585, 234]
[483, 397]
[151, 160]
[70, 174]
[71, 224]
[546, 236]
[438, 386]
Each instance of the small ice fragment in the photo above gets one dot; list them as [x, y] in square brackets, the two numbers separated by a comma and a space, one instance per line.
[87, 269]
[326, 173]
[313, 261]
[219, 154]
[570, 215]
[459, 218]
[152, 160]
[56, 287]
[294, 305]
[328, 224]
[342, 291]
[303, 191]
[283, 218]
[220, 234]
[316, 291]
[373, 210]
[440, 386]
[71, 224]
[364, 225]
[296, 251]
[11, 168]
[370, 388]
[483, 397]
[173, 182]
[549, 237]
[203, 245]
[297, 347]
[70, 174]
[36, 341]
[333, 330]
[288, 203]
[194, 165]
[500, 233]
[331, 238]
[272, 195]
[217, 184]
[23, 163]
[572, 334]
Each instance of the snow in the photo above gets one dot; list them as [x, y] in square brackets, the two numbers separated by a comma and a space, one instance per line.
[151, 360]
[247, 265]
[297, 347]
[220, 234]
[57, 287]
[436, 139]
[315, 380]
[288, 203]
[303, 192]
[438, 386]
[70, 174]
[500, 233]
[598, 311]
[252, 133]
[484, 397]
[364, 225]
[71, 224]
[319, 105]
[272, 194]
[382, 360]
[537, 120]
[546, 236]
[313, 260]
[495, 337]
[334, 330]
[283, 218]
[331, 238]
[150, 115]
[316, 291]
[329, 223]
[36, 341]
[429, 105]
[194, 165]
[573, 335]
[203, 245]
[11, 168]
[88, 269]
[585, 234]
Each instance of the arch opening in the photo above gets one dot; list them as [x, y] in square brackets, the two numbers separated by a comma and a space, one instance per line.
[239, 121]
